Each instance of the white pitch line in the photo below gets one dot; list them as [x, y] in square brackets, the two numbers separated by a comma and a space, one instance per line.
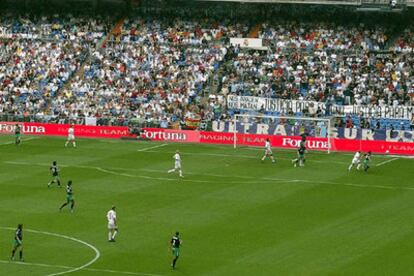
[110, 172]
[242, 156]
[257, 180]
[298, 181]
[189, 180]
[6, 143]
[97, 253]
[285, 180]
[154, 147]
[35, 264]
[122, 272]
[127, 169]
[292, 150]
[23, 140]
[85, 269]
[147, 177]
[386, 161]
[352, 185]
[189, 173]
[28, 163]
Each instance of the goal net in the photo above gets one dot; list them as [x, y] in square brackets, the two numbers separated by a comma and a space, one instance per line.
[282, 131]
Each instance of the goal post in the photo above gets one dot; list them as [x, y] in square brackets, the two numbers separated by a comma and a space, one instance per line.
[319, 129]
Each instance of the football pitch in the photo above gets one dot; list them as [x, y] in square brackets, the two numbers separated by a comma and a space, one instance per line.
[236, 215]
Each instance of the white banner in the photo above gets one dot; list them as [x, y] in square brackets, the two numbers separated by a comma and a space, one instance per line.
[284, 106]
[90, 121]
[18, 35]
[251, 43]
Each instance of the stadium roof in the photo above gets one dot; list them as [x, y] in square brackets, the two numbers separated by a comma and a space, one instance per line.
[320, 2]
[323, 2]
[359, 4]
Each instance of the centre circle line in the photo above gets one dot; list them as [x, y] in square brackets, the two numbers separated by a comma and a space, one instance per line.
[97, 253]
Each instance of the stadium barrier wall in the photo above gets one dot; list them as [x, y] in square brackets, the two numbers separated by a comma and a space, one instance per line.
[210, 137]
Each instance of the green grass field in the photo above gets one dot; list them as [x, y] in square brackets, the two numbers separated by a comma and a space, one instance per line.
[236, 215]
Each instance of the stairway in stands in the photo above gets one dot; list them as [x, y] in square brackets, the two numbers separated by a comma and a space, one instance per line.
[213, 83]
[394, 35]
[115, 32]
[254, 32]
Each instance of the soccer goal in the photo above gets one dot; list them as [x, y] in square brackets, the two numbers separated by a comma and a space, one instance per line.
[247, 128]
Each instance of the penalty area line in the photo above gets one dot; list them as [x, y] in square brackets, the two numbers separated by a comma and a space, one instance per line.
[241, 156]
[100, 169]
[386, 161]
[146, 177]
[153, 147]
[85, 269]
[256, 180]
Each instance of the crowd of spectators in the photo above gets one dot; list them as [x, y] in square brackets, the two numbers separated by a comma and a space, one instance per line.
[54, 27]
[340, 78]
[322, 36]
[34, 73]
[405, 43]
[335, 65]
[38, 56]
[150, 71]
[162, 70]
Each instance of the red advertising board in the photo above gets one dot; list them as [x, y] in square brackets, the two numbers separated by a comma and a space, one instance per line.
[209, 137]
[62, 130]
[171, 135]
[337, 144]
[373, 146]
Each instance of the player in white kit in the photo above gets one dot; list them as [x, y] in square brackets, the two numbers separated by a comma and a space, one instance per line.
[71, 136]
[268, 151]
[177, 165]
[112, 225]
[355, 161]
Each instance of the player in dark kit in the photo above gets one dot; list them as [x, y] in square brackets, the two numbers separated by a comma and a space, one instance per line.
[17, 135]
[367, 159]
[18, 242]
[303, 140]
[301, 157]
[54, 170]
[303, 147]
[175, 248]
[69, 197]
[300, 160]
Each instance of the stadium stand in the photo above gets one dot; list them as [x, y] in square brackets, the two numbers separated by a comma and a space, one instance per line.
[150, 71]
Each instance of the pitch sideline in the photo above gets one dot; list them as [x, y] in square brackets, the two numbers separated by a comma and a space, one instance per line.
[23, 140]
